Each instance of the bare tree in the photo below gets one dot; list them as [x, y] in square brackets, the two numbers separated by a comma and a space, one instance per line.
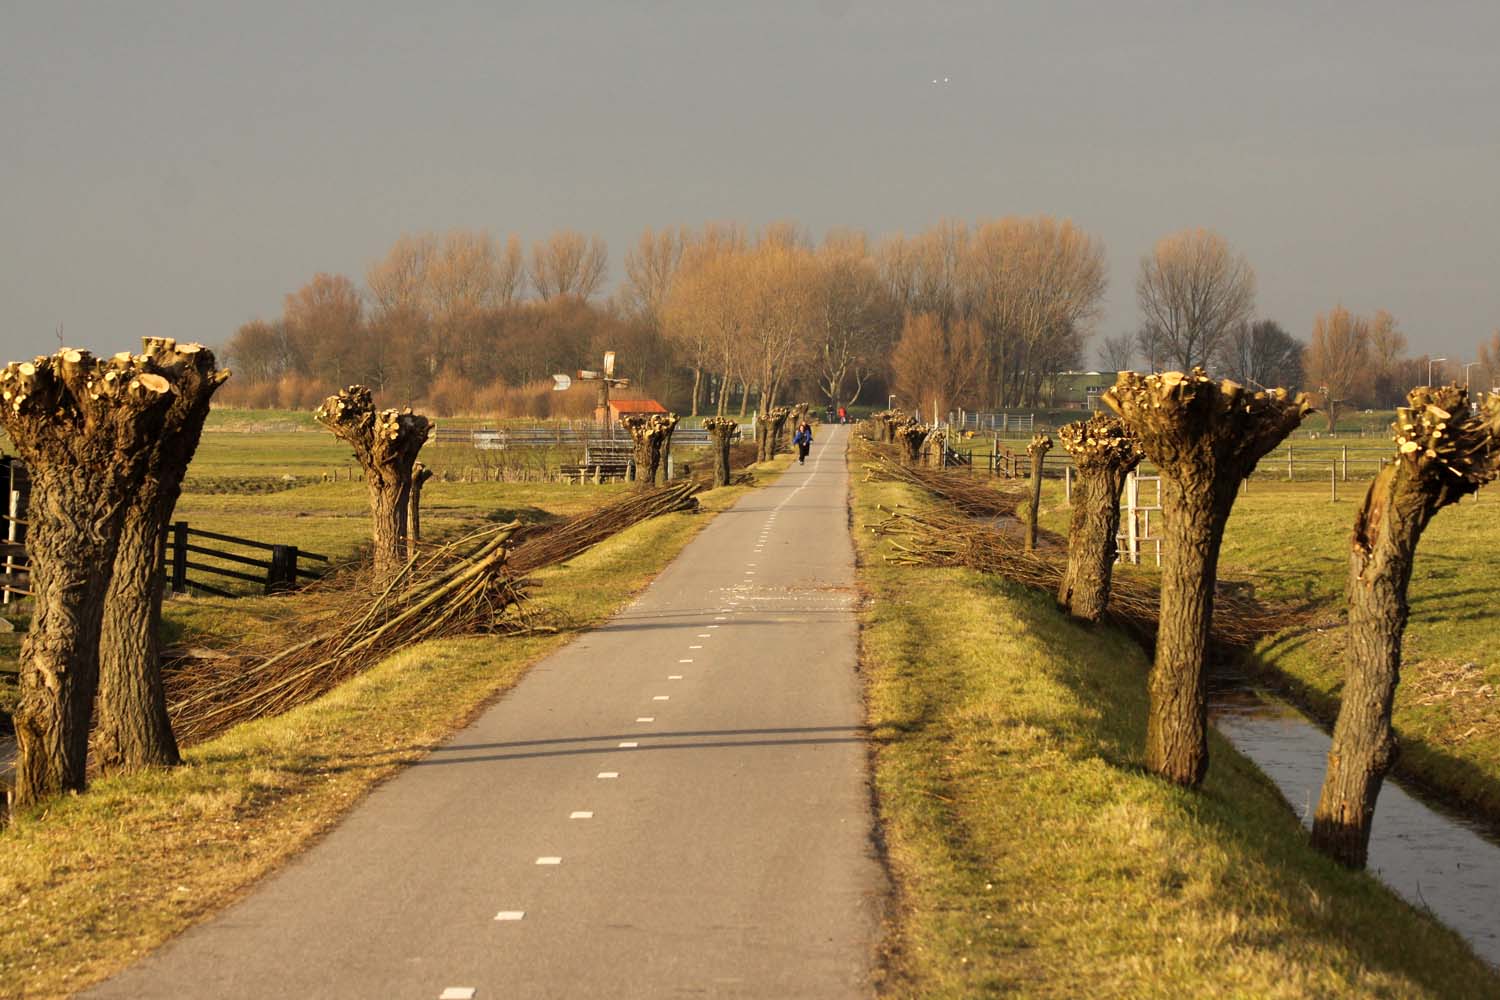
[937, 368]
[325, 318]
[1105, 453]
[1488, 357]
[1337, 361]
[1193, 289]
[385, 443]
[1206, 438]
[84, 428]
[1261, 354]
[568, 263]
[1388, 361]
[1445, 451]
[855, 319]
[650, 266]
[1116, 353]
[132, 730]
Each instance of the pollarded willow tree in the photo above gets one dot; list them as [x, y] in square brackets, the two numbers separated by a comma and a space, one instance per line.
[84, 427]
[385, 443]
[1104, 453]
[768, 430]
[721, 433]
[648, 434]
[1445, 451]
[1205, 437]
[1036, 450]
[910, 437]
[419, 476]
[131, 728]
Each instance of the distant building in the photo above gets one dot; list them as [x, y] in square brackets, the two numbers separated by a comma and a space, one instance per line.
[632, 408]
[1077, 390]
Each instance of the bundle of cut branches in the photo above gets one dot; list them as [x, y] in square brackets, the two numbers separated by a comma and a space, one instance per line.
[933, 537]
[568, 539]
[971, 496]
[463, 588]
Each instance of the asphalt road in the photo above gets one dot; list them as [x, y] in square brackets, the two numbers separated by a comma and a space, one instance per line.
[676, 804]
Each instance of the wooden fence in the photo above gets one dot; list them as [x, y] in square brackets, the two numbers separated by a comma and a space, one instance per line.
[277, 570]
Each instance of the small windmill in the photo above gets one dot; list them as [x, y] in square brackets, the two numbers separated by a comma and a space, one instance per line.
[605, 380]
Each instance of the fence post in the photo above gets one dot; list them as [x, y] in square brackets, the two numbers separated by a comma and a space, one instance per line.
[1289, 471]
[1068, 484]
[179, 557]
[1333, 484]
[1344, 461]
[282, 574]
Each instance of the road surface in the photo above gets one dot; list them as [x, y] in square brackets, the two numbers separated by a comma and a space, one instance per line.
[676, 804]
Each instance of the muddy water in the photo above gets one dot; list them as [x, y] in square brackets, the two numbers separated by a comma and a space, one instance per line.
[1434, 860]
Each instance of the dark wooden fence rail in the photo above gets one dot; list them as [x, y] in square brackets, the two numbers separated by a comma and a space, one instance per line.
[278, 571]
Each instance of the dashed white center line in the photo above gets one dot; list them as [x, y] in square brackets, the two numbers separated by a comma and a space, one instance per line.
[674, 677]
[720, 618]
[695, 647]
[684, 661]
[628, 745]
[510, 915]
[549, 860]
[609, 774]
[713, 626]
[645, 718]
[703, 635]
[662, 697]
[580, 814]
[457, 993]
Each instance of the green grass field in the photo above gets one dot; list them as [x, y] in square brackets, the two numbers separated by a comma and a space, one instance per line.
[1034, 857]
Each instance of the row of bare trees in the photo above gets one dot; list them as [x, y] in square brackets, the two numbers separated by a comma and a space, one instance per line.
[1206, 438]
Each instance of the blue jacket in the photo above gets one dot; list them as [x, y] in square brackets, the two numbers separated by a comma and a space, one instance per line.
[803, 436]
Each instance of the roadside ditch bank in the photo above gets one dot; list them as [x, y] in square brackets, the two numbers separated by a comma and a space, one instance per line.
[1032, 853]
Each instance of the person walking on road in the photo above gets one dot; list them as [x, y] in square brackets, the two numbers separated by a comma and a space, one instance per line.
[803, 440]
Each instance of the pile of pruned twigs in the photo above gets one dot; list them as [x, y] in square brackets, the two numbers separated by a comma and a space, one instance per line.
[339, 628]
[971, 496]
[936, 537]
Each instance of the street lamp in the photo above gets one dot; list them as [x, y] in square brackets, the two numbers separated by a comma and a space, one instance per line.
[1430, 363]
[890, 402]
[1471, 364]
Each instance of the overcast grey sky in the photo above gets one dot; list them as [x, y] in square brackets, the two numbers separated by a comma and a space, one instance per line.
[177, 168]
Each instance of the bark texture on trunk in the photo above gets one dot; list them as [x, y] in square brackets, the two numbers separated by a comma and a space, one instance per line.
[910, 437]
[132, 729]
[419, 476]
[82, 426]
[385, 443]
[649, 435]
[1445, 451]
[721, 432]
[697, 382]
[936, 446]
[1103, 453]
[1036, 450]
[768, 429]
[1206, 437]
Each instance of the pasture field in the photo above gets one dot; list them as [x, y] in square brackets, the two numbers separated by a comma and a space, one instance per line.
[1033, 855]
[1290, 542]
[139, 858]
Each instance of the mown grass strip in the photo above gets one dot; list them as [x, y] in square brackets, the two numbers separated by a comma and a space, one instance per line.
[1034, 857]
[95, 881]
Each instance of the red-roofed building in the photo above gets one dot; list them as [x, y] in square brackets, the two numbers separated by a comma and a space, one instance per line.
[631, 407]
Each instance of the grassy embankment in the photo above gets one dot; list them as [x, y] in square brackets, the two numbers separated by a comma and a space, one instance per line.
[94, 881]
[1291, 542]
[1033, 856]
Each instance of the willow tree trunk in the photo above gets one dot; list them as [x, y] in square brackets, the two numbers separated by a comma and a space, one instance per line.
[1206, 437]
[1037, 451]
[419, 476]
[386, 443]
[697, 383]
[664, 459]
[1177, 730]
[721, 434]
[1093, 533]
[1364, 746]
[81, 426]
[132, 730]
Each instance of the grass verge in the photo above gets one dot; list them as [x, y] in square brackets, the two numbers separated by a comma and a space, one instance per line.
[92, 882]
[1033, 856]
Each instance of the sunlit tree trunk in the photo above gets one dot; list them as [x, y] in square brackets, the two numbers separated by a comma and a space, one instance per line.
[1036, 450]
[1104, 453]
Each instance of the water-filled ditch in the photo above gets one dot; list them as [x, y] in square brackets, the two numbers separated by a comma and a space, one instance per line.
[1435, 860]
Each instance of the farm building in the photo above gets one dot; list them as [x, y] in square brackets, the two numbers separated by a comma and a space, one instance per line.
[1077, 390]
[632, 408]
